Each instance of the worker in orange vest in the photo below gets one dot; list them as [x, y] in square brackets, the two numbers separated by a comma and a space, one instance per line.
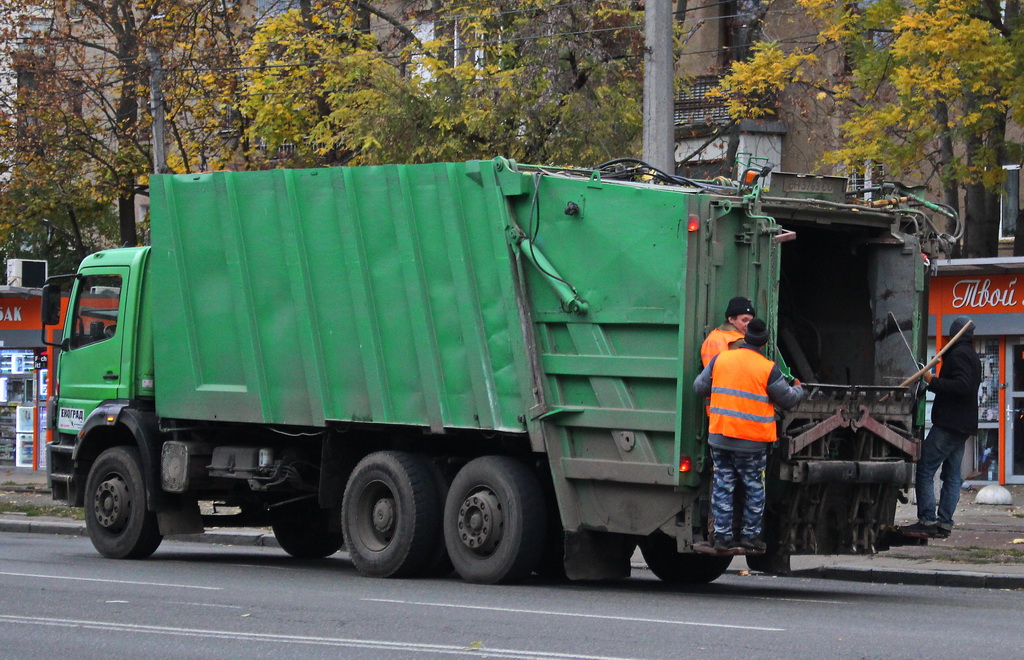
[744, 387]
[738, 313]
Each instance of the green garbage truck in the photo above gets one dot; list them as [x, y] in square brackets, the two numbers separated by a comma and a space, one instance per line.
[485, 367]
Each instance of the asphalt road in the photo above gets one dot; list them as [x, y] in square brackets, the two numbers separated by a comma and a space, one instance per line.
[58, 598]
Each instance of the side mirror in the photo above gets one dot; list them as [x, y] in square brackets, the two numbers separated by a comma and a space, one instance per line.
[51, 304]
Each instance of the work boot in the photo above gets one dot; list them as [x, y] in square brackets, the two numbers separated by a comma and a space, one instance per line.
[920, 530]
[752, 544]
[723, 544]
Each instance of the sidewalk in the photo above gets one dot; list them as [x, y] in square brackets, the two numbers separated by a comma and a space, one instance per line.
[985, 550]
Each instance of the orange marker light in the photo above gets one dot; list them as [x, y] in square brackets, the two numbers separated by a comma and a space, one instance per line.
[693, 223]
[685, 464]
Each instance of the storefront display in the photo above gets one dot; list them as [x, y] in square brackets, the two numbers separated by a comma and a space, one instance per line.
[22, 358]
[17, 407]
[991, 293]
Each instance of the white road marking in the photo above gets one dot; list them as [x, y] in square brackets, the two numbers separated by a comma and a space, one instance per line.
[675, 622]
[178, 602]
[448, 649]
[82, 579]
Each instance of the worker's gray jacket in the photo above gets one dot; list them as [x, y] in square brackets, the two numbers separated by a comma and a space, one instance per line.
[779, 391]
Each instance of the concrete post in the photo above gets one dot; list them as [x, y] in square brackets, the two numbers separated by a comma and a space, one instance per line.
[659, 76]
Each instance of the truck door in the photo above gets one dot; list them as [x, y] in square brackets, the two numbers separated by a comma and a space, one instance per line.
[89, 372]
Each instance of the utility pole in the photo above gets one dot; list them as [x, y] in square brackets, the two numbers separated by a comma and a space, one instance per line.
[156, 108]
[659, 79]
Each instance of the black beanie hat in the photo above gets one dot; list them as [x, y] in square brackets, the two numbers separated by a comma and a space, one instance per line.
[739, 305]
[958, 325]
[757, 333]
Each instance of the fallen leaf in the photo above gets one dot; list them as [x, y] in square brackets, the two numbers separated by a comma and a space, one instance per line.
[1017, 541]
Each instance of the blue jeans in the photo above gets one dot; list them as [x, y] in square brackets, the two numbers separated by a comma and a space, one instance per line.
[944, 448]
[731, 466]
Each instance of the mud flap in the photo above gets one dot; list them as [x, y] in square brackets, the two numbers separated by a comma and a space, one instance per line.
[185, 519]
[597, 556]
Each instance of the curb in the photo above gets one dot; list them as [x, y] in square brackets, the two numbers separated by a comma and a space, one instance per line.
[962, 579]
[12, 523]
[8, 523]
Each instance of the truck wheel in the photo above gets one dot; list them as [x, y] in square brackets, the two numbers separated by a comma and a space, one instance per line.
[303, 530]
[390, 515]
[119, 525]
[495, 520]
[659, 551]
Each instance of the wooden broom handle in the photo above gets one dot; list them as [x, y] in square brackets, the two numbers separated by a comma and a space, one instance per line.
[935, 360]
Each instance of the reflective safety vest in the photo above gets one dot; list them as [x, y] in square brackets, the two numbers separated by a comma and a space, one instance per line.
[740, 407]
[717, 342]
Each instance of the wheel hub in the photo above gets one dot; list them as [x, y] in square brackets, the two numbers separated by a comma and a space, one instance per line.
[481, 521]
[384, 516]
[111, 504]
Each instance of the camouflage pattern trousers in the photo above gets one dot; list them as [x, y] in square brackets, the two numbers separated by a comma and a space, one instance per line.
[732, 467]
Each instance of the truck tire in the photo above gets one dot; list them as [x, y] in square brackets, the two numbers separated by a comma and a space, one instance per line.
[303, 530]
[116, 518]
[659, 551]
[390, 515]
[495, 521]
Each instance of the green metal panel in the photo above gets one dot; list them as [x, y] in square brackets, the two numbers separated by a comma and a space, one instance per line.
[393, 295]
[620, 407]
[378, 294]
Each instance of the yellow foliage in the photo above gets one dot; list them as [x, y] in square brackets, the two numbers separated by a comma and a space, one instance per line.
[768, 71]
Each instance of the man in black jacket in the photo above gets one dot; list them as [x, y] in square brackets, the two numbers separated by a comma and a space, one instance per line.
[954, 419]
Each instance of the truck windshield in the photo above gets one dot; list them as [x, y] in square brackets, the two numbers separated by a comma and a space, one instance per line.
[95, 317]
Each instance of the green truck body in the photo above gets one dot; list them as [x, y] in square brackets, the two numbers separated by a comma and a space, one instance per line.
[483, 365]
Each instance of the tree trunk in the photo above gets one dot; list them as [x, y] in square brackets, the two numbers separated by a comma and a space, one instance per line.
[950, 189]
[981, 216]
[126, 220]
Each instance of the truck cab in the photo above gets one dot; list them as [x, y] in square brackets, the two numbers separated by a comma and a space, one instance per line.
[103, 363]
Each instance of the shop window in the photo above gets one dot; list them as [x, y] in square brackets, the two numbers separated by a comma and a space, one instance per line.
[986, 444]
[17, 401]
[987, 459]
[988, 393]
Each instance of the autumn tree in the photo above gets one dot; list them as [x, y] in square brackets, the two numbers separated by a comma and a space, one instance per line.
[324, 82]
[47, 209]
[541, 81]
[929, 89]
[79, 111]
